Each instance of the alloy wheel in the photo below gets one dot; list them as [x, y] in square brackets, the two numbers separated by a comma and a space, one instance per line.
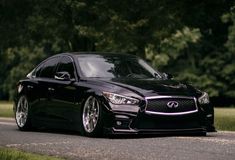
[22, 111]
[90, 114]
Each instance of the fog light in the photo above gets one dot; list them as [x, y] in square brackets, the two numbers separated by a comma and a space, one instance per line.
[209, 115]
[121, 117]
[119, 123]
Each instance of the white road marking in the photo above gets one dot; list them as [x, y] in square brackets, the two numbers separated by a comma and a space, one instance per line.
[228, 132]
[8, 123]
[7, 119]
[38, 144]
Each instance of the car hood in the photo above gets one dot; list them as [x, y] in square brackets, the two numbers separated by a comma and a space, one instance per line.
[152, 87]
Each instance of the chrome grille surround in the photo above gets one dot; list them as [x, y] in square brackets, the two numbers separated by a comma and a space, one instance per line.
[170, 97]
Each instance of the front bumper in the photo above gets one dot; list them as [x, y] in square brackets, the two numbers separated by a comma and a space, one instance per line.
[136, 120]
[193, 131]
[142, 123]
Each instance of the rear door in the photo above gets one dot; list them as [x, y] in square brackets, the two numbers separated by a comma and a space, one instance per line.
[45, 80]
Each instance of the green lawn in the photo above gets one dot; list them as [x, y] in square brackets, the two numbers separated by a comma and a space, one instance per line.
[6, 109]
[13, 154]
[224, 117]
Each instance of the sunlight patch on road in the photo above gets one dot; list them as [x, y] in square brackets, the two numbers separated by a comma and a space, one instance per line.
[210, 139]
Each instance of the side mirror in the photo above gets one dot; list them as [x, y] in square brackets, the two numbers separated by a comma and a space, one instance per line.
[62, 76]
[167, 76]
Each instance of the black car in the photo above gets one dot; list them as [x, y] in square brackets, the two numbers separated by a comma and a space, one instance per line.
[108, 93]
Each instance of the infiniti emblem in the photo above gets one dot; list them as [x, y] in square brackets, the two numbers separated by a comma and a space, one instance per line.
[172, 104]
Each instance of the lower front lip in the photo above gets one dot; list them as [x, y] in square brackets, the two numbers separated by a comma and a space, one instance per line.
[160, 131]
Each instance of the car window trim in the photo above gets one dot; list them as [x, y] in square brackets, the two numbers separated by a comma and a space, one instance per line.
[43, 63]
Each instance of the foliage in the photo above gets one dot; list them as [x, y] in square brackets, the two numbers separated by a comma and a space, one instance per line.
[188, 38]
[6, 109]
[196, 58]
[13, 154]
[229, 56]
[172, 47]
[224, 119]
[14, 58]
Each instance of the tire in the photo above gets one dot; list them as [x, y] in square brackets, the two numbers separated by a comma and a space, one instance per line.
[22, 113]
[91, 118]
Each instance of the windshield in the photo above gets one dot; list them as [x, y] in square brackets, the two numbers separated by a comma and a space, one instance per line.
[115, 67]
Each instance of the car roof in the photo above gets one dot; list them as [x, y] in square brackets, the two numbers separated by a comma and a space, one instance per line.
[95, 54]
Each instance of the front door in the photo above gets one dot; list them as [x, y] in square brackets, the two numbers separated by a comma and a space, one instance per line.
[63, 100]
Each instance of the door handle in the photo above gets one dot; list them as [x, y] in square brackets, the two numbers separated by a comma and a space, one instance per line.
[51, 89]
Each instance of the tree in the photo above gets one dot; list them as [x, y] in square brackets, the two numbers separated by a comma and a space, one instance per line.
[198, 55]
[228, 69]
[183, 37]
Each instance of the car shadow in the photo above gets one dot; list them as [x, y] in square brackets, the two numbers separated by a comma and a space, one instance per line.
[110, 136]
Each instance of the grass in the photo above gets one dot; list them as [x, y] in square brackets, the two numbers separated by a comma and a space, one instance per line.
[6, 109]
[224, 117]
[13, 154]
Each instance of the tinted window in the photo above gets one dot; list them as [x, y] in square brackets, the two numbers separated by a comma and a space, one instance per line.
[38, 70]
[49, 67]
[66, 65]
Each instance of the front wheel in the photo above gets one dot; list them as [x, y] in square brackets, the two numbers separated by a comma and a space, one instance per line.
[92, 117]
[22, 114]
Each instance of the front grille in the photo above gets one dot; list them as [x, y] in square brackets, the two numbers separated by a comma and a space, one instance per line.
[144, 121]
[185, 105]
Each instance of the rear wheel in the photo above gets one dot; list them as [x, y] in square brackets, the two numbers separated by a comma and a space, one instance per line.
[92, 117]
[22, 114]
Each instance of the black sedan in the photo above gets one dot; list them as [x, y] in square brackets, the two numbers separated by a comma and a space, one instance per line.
[107, 93]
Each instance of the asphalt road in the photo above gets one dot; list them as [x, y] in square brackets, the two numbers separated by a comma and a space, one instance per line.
[216, 146]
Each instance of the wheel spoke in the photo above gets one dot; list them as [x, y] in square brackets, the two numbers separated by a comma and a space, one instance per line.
[20, 120]
[93, 103]
[21, 103]
[25, 106]
[24, 120]
[94, 120]
[91, 124]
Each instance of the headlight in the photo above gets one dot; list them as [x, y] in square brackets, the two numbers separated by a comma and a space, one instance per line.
[20, 87]
[204, 99]
[119, 99]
